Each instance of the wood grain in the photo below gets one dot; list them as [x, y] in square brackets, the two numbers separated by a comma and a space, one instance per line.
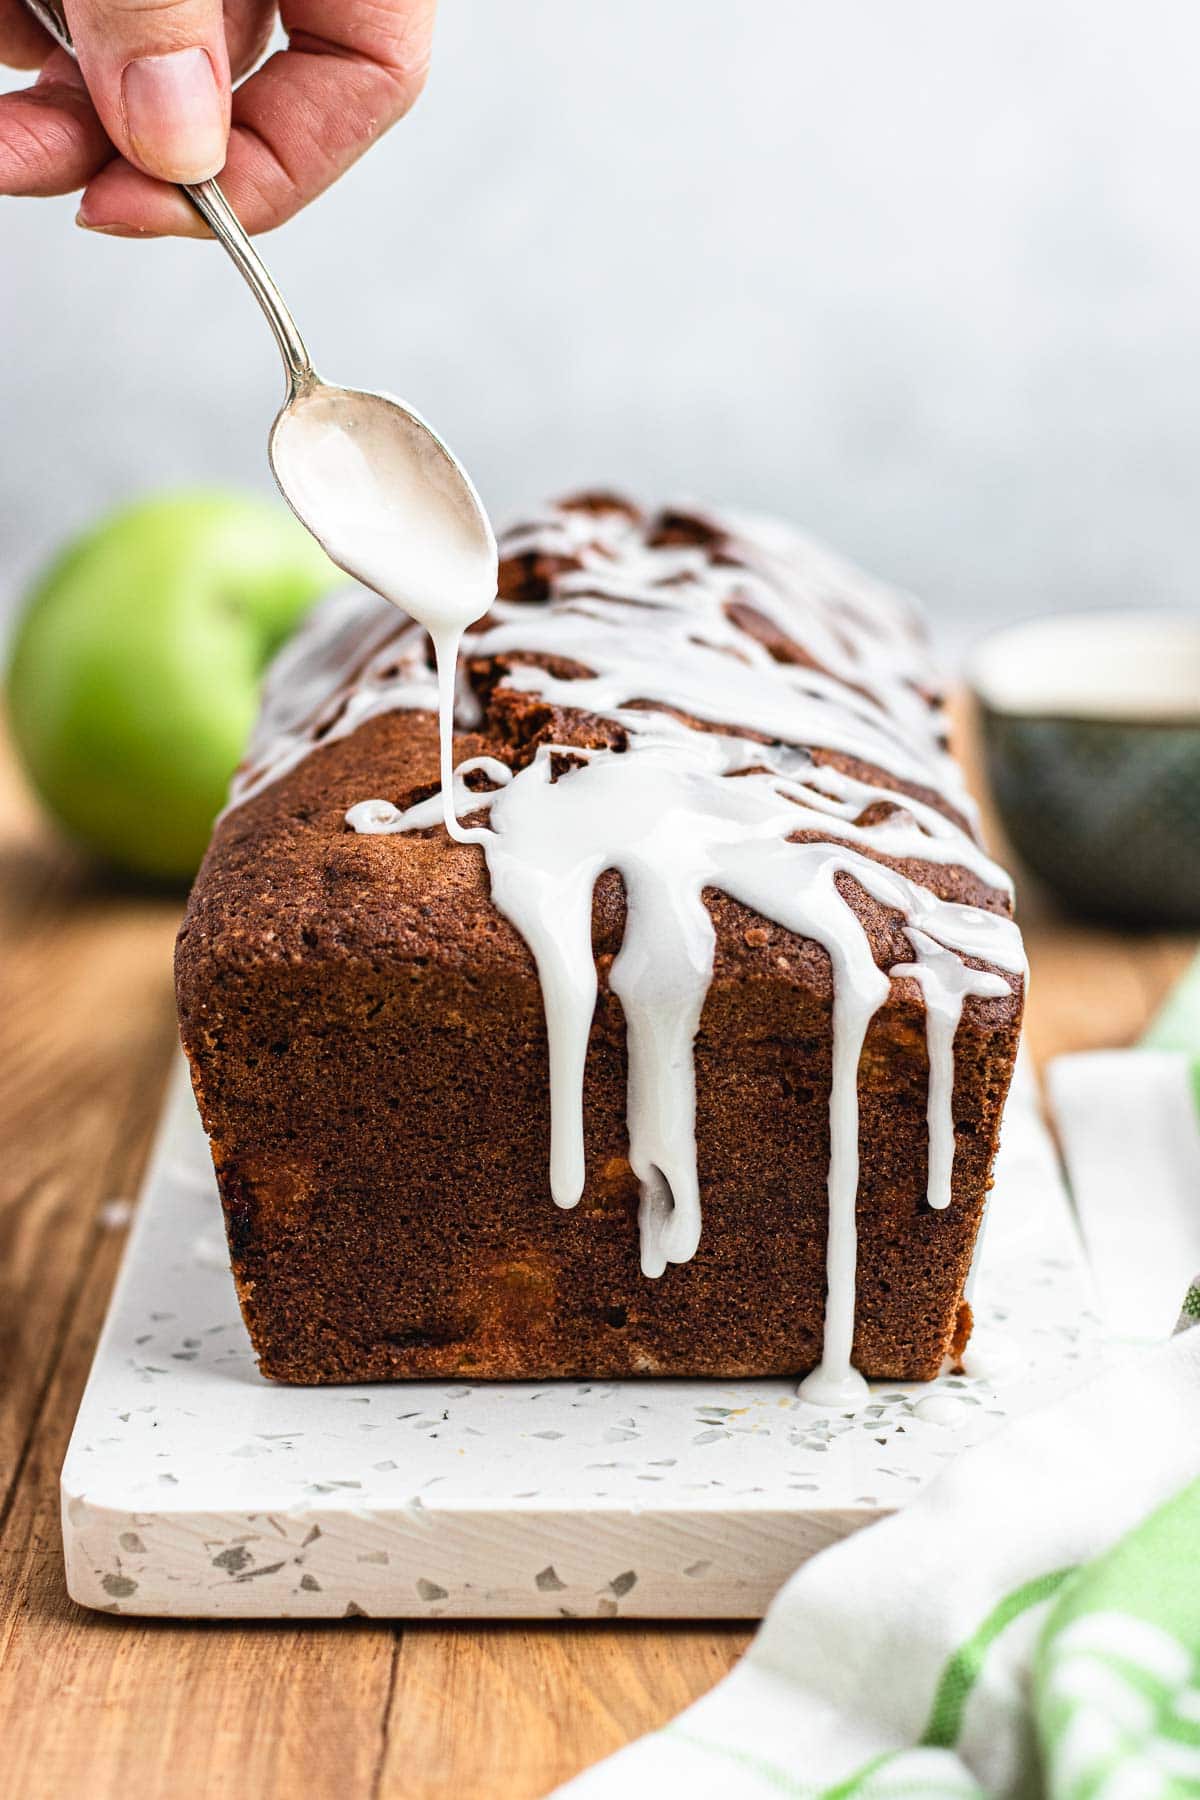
[85, 1030]
[130, 1710]
[543, 1702]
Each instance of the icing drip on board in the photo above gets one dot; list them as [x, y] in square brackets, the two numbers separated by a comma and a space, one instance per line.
[684, 804]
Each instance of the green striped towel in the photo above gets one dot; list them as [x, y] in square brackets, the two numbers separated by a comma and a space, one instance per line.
[987, 1640]
[1117, 1686]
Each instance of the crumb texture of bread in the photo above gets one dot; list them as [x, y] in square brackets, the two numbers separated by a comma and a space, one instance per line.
[367, 1043]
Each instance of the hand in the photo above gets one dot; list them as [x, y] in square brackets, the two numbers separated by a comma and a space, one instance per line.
[150, 103]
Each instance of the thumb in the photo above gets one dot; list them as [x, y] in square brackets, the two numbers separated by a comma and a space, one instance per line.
[158, 75]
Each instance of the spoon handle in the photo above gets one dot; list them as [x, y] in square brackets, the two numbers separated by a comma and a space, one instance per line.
[210, 202]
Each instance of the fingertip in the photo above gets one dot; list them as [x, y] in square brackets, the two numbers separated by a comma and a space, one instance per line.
[121, 231]
[122, 202]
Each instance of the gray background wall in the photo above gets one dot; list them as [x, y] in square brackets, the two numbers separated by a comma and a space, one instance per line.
[924, 275]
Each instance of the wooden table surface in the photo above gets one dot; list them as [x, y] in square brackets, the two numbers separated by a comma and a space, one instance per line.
[121, 1709]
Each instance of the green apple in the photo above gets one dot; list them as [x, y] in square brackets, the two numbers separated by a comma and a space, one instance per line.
[136, 667]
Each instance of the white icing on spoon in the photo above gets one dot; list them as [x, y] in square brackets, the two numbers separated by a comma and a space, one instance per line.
[680, 810]
[392, 507]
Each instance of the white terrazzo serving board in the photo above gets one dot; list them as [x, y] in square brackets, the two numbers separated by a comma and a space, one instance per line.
[192, 1487]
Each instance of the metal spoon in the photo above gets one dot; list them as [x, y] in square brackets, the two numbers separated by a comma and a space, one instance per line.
[396, 482]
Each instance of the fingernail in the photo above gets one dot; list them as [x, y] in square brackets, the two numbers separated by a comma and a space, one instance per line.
[121, 231]
[175, 114]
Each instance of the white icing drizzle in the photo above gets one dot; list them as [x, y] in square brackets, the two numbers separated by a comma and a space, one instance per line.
[674, 645]
[945, 982]
[353, 659]
[679, 810]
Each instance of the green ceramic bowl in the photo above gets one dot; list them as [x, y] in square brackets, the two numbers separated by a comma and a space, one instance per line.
[1091, 736]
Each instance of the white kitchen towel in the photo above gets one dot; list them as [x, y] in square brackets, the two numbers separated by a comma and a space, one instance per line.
[901, 1660]
[1128, 1122]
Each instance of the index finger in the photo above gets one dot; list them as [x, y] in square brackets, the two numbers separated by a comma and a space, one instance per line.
[349, 72]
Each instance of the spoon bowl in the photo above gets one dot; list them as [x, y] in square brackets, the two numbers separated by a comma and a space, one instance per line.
[358, 469]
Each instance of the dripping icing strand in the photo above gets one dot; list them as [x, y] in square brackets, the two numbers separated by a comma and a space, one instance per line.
[682, 807]
[945, 981]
